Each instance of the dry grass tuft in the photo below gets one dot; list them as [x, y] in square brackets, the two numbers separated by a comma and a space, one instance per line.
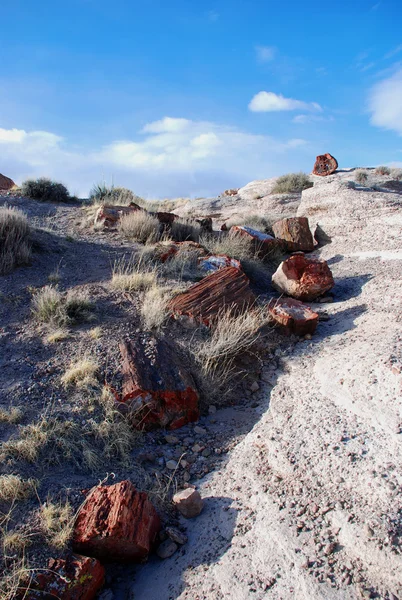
[231, 244]
[13, 488]
[139, 227]
[383, 170]
[95, 333]
[396, 174]
[15, 245]
[59, 335]
[154, 310]
[11, 415]
[81, 374]
[57, 521]
[292, 183]
[49, 305]
[361, 176]
[183, 230]
[182, 266]
[16, 541]
[133, 275]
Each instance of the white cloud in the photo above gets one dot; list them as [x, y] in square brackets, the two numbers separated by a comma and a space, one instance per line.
[169, 157]
[303, 119]
[385, 103]
[265, 53]
[271, 102]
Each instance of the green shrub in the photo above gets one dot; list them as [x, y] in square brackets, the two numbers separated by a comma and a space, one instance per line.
[383, 170]
[361, 176]
[45, 190]
[15, 245]
[292, 182]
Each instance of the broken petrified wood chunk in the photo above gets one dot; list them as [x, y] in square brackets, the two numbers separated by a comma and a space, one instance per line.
[110, 215]
[164, 251]
[77, 578]
[165, 218]
[116, 523]
[188, 502]
[325, 164]
[158, 389]
[263, 244]
[296, 231]
[228, 288]
[214, 262]
[303, 278]
[293, 315]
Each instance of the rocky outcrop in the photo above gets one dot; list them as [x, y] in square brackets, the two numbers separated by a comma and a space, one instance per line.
[303, 278]
[6, 183]
[116, 523]
[228, 288]
[293, 316]
[296, 231]
[156, 386]
[77, 578]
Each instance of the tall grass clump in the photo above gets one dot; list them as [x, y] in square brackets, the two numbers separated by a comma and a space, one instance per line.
[15, 244]
[119, 196]
[154, 309]
[184, 230]
[396, 174]
[49, 305]
[45, 190]
[361, 176]
[291, 183]
[133, 275]
[139, 226]
[383, 170]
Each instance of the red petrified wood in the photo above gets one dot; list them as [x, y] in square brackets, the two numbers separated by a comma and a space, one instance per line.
[116, 523]
[202, 302]
[303, 278]
[110, 215]
[262, 243]
[293, 315]
[6, 183]
[77, 578]
[156, 386]
[296, 232]
[325, 164]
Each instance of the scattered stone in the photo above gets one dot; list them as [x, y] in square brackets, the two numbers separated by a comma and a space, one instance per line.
[188, 502]
[212, 409]
[171, 439]
[197, 448]
[262, 243]
[166, 549]
[303, 278]
[329, 548]
[199, 430]
[176, 535]
[254, 387]
[214, 262]
[116, 522]
[171, 465]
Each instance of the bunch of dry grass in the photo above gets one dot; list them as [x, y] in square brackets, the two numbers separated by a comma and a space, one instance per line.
[81, 373]
[49, 305]
[154, 310]
[57, 521]
[231, 244]
[139, 226]
[396, 174]
[257, 222]
[15, 244]
[361, 176]
[13, 488]
[292, 183]
[383, 170]
[182, 266]
[11, 415]
[184, 230]
[135, 274]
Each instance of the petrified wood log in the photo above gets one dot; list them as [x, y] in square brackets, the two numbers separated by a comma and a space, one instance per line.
[262, 244]
[110, 215]
[156, 386]
[303, 278]
[296, 232]
[116, 523]
[202, 302]
[214, 262]
[325, 164]
[6, 183]
[294, 316]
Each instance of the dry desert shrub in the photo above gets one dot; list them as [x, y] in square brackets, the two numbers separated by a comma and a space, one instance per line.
[256, 222]
[182, 266]
[57, 523]
[59, 335]
[133, 275]
[139, 226]
[95, 333]
[231, 244]
[45, 190]
[81, 373]
[184, 230]
[396, 174]
[383, 170]
[49, 305]
[13, 488]
[361, 176]
[11, 415]
[154, 309]
[15, 541]
[15, 244]
[291, 183]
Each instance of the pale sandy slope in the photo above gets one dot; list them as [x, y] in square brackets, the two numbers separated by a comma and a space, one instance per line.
[323, 463]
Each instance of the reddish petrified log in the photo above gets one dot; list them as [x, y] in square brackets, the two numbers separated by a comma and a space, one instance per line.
[296, 232]
[165, 251]
[303, 278]
[263, 244]
[232, 192]
[325, 164]
[214, 262]
[202, 302]
[6, 183]
[294, 316]
[77, 578]
[158, 389]
[116, 523]
[110, 215]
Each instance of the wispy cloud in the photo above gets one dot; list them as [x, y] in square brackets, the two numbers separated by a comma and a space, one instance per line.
[375, 6]
[304, 119]
[265, 54]
[385, 103]
[394, 51]
[271, 102]
[213, 15]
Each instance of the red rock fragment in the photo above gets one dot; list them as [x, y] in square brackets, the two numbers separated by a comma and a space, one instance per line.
[231, 192]
[156, 386]
[325, 164]
[188, 502]
[296, 232]
[165, 251]
[116, 523]
[6, 183]
[228, 288]
[110, 215]
[294, 316]
[303, 278]
[77, 578]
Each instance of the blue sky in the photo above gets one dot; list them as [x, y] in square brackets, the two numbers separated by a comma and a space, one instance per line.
[177, 98]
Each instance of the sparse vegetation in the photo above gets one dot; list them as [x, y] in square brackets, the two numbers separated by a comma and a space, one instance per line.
[99, 192]
[133, 275]
[292, 183]
[15, 541]
[383, 170]
[95, 333]
[49, 305]
[45, 190]
[154, 310]
[59, 335]
[396, 174]
[113, 196]
[57, 521]
[139, 226]
[361, 176]
[81, 374]
[185, 230]
[182, 266]
[13, 488]
[231, 244]
[15, 244]
[11, 415]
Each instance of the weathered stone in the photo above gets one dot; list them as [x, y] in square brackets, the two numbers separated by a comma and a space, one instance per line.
[171, 465]
[77, 578]
[116, 523]
[206, 224]
[293, 315]
[176, 535]
[166, 549]
[325, 164]
[303, 278]
[165, 251]
[214, 262]
[296, 232]
[157, 388]
[188, 502]
[262, 244]
[231, 192]
[228, 288]
[110, 215]
[6, 183]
